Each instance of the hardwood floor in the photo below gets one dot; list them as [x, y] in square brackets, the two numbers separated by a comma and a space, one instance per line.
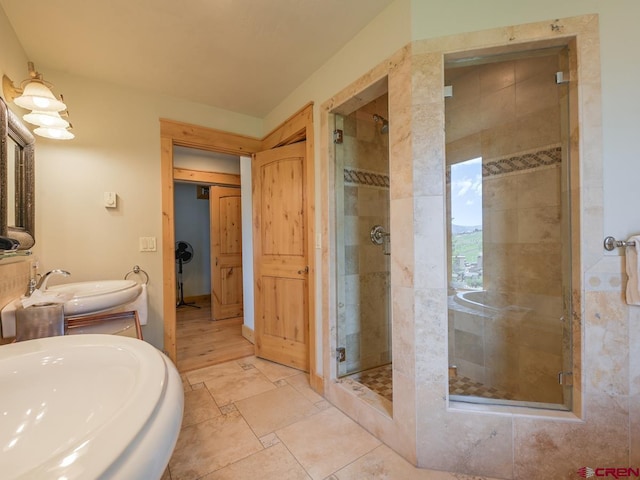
[202, 342]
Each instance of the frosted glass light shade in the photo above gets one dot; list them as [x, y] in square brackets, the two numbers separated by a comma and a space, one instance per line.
[37, 96]
[46, 119]
[54, 133]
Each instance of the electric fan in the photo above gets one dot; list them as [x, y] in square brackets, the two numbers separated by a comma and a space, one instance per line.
[184, 254]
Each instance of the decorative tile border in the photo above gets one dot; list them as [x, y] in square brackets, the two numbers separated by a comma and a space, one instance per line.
[526, 161]
[363, 177]
[517, 163]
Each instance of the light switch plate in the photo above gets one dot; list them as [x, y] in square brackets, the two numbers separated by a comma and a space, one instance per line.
[110, 199]
[147, 244]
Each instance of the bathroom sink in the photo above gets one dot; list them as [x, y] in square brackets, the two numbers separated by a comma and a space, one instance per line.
[97, 295]
[89, 297]
[87, 406]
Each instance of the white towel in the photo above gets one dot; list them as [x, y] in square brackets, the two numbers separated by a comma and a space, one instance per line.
[140, 304]
[633, 272]
[39, 297]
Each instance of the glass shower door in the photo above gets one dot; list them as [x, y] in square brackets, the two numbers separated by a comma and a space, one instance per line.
[363, 239]
[510, 229]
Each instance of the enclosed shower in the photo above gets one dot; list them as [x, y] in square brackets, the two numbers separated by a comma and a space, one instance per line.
[509, 229]
[364, 243]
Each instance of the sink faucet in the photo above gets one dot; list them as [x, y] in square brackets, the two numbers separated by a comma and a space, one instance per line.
[42, 283]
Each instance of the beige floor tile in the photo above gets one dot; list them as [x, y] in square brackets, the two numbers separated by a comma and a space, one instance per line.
[198, 407]
[300, 382]
[326, 442]
[384, 463]
[275, 463]
[269, 440]
[210, 445]
[273, 371]
[236, 386]
[215, 371]
[264, 412]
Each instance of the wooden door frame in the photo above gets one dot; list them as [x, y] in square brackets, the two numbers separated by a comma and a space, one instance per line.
[173, 133]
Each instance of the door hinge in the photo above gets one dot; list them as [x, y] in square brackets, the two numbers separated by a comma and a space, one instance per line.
[337, 136]
[565, 378]
[562, 77]
[341, 354]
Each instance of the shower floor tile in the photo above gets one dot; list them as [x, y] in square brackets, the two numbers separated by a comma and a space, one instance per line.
[379, 379]
[466, 386]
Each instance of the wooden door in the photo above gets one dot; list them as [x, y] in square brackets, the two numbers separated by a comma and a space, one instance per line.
[281, 256]
[226, 252]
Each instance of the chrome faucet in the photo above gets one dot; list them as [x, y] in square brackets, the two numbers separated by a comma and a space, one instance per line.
[42, 283]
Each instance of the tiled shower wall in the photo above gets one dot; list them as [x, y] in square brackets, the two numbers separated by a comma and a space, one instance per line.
[364, 322]
[508, 113]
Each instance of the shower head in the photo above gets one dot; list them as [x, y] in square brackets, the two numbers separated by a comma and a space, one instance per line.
[385, 123]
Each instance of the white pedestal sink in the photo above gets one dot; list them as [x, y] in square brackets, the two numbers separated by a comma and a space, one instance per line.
[87, 297]
[87, 406]
[97, 296]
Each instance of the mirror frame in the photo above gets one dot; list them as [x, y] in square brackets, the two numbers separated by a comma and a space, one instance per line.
[12, 127]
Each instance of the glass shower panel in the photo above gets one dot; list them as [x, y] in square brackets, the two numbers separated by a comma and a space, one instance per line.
[509, 229]
[363, 239]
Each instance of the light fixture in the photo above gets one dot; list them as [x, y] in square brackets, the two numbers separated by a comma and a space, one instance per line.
[46, 119]
[35, 94]
[54, 133]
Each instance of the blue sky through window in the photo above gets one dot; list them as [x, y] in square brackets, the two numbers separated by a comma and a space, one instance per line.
[466, 193]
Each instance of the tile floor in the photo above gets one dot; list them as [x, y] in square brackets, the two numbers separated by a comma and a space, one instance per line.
[379, 379]
[466, 386]
[253, 419]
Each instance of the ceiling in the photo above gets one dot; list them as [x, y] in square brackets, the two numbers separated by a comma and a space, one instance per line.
[240, 55]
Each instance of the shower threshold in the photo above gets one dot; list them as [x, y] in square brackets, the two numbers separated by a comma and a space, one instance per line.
[374, 386]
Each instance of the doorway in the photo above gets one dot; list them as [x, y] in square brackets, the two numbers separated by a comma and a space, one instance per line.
[208, 255]
[298, 127]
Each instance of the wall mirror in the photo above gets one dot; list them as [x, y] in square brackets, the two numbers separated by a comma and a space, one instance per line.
[17, 181]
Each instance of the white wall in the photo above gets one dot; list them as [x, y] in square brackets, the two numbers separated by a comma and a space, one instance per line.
[247, 241]
[204, 161]
[192, 226]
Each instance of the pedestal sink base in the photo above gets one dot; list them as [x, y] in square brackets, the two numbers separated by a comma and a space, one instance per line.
[87, 406]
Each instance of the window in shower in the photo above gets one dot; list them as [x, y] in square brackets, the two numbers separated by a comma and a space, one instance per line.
[466, 224]
[508, 201]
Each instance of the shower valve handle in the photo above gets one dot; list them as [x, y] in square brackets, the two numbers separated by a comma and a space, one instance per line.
[377, 234]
